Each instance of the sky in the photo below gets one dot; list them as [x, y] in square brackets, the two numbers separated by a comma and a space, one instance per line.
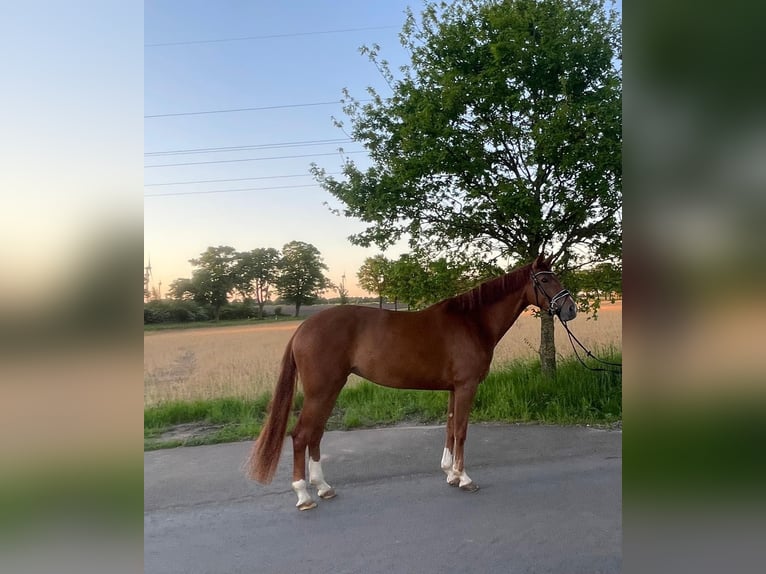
[201, 56]
[296, 53]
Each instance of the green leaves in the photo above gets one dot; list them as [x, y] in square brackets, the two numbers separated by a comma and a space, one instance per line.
[212, 280]
[419, 282]
[255, 273]
[301, 277]
[373, 275]
[504, 133]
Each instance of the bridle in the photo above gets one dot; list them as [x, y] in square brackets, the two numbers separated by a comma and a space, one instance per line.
[553, 308]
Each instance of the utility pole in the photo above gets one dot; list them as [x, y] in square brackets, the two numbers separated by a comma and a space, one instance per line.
[147, 280]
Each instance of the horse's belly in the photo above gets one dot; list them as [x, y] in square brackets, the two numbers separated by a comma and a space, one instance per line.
[401, 373]
[405, 381]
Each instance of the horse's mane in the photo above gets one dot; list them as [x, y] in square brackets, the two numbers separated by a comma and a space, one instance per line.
[490, 291]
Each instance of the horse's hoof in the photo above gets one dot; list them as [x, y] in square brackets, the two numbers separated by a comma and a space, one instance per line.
[454, 481]
[328, 494]
[308, 505]
[470, 487]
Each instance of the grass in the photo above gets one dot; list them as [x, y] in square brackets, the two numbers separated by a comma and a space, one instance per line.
[515, 392]
[519, 392]
[230, 419]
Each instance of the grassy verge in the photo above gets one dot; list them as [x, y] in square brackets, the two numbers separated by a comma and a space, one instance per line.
[515, 393]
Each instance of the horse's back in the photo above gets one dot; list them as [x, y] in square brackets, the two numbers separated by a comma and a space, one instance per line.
[342, 321]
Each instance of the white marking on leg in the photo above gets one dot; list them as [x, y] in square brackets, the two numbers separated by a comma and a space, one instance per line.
[316, 477]
[446, 463]
[458, 478]
[304, 498]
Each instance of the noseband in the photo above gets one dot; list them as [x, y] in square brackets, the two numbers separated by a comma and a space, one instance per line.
[553, 302]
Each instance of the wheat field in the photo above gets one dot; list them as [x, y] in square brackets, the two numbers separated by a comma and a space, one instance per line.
[243, 361]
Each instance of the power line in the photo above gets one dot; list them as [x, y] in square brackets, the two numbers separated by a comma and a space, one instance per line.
[266, 37]
[255, 109]
[280, 145]
[176, 193]
[249, 159]
[236, 179]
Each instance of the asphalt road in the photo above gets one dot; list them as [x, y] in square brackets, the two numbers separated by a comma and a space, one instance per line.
[550, 501]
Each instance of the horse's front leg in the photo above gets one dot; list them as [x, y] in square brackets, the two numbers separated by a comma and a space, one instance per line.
[463, 402]
[449, 445]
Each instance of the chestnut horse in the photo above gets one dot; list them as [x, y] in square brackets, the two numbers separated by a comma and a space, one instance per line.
[446, 347]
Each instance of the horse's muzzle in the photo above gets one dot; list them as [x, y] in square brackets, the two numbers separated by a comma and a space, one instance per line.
[567, 311]
[563, 305]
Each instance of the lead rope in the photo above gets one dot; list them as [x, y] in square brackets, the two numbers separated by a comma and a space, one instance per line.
[573, 339]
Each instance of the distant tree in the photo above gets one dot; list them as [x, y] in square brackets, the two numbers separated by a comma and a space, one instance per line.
[372, 276]
[213, 280]
[603, 281]
[182, 289]
[301, 276]
[405, 281]
[420, 282]
[255, 273]
[447, 279]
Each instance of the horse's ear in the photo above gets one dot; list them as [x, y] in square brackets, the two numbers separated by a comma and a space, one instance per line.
[549, 261]
[540, 260]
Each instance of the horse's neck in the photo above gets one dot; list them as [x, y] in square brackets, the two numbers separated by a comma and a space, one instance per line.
[498, 317]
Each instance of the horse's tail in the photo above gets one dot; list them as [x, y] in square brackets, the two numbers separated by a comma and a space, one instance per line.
[264, 455]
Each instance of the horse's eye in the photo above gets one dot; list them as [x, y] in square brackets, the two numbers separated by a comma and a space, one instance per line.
[544, 280]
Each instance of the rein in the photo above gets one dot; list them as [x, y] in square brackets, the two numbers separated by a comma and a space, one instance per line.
[573, 339]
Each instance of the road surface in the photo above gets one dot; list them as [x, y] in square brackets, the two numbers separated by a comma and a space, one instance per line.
[550, 501]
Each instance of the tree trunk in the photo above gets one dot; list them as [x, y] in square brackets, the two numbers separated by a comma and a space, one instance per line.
[380, 302]
[297, 307]
[547, 346]
[217, 313]
[260, 310]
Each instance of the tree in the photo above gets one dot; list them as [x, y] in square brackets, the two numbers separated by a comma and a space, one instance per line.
[300, 277]
[372, 276]
[501, 138]
[420, 282]
[447, 279]
[406, 281]
[255, 273]
[182, 289]
[213, 279]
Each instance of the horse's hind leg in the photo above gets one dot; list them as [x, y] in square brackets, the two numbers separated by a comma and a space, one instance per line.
[316, 476]
[308, 433]
[300, 441]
